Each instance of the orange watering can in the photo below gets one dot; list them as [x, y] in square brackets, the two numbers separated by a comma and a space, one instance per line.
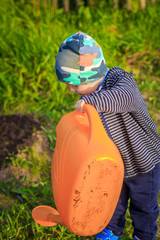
[87, 175]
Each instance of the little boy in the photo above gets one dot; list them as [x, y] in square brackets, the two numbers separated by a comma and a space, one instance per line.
[114, 94]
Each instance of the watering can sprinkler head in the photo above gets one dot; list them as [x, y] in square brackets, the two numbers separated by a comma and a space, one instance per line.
[46, 216]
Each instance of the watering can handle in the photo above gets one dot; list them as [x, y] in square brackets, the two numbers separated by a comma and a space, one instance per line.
[96, 127]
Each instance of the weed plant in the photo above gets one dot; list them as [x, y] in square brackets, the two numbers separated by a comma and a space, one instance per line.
[29, 42]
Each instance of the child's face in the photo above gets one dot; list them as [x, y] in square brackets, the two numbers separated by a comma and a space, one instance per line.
[81, 89]
[85, 89]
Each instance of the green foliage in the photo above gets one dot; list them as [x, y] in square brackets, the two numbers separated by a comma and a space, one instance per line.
[30, 40]
[28, 49]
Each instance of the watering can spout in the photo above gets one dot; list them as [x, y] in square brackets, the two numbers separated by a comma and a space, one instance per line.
[46, 216]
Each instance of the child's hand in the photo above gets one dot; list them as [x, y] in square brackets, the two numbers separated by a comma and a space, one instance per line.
[79, 105]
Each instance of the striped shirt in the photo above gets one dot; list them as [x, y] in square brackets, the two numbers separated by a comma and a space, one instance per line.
[125, 117]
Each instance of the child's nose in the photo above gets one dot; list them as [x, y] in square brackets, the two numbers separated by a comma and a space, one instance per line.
[72, 89]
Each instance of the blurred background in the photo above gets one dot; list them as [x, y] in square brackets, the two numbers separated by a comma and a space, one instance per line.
[31, 32]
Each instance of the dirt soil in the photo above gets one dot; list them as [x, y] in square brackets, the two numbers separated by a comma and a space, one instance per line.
[16, 132]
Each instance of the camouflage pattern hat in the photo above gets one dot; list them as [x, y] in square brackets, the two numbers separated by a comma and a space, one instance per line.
[80, 60]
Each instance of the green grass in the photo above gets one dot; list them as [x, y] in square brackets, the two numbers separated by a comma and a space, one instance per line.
[29, 42]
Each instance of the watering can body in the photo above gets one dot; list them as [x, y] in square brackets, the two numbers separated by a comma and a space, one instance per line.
[87, 172]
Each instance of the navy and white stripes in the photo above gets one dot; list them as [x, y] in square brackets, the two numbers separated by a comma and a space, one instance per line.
[125, 116]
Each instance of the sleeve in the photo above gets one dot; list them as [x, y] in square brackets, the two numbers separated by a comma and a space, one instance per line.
[123, 97]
